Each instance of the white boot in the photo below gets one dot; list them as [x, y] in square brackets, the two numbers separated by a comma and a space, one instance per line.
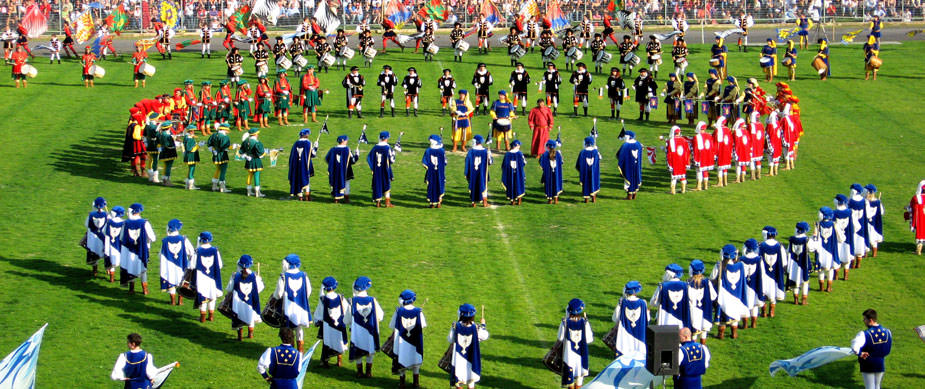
[214, 184]
[222, 188]
[257, 192]
[250, 190]
[150, 175]
[154, 178]
[190, 185]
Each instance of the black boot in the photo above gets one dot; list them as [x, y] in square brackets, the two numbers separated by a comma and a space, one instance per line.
[647, 116]
[523, 110]
[618, 114]
[640, 115]
[444, 111]
[586, 110]
[393, 112]
[415, 112]
[555, 111]
[381, 112]
[407, 112]
[349, 114]
[613, 113]
[575, 112]
[359, 114]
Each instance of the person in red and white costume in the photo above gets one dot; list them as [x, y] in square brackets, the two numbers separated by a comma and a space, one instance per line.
[915, 213]
[722, 140]
[678, 156]
[756, 131]
[704, 155]
[774, 145]
[743, 149]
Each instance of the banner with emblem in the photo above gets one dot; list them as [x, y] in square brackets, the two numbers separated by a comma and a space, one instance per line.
[17, 370]
[306, 358]
[650, 154]
[623, 372]
[810, 360]
[169, 14]
[84, 27]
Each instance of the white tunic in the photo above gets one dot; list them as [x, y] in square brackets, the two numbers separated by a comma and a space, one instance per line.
[94, 243]
[872, 235]
[571, 358]
[359, 336]
[297, 314]
[205, 284]
[170, 272]
[114, 234]
[815, 245]
[627, 344]
[462, 368]
[332, 337]
[241, 308]
[129, 260]
[407, 354]
[699, 322]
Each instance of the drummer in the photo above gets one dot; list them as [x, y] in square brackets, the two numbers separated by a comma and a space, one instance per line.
[233, 61]
[769, 60]
[654, 54]
[673, 91]
[502, 112]
[790, 59]
[428, 40]
[322, 48]
[88, 60]
[279, 51]
[139, 59]
[514, 46]
[340, 43]
[366, 42]
[568, 43]
[546, 41]
[261, 57]
[823, 54]
[295, 51]
[626, 48]
[456, 36]
[244, 287]
[871, 51]
[484, 32]
[597, 47]
[530, 37]
[718, 54]
[679, 55]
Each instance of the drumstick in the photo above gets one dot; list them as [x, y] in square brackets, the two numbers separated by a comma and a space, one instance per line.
[258, 269]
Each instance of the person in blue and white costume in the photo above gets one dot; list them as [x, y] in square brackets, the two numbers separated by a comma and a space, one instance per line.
[208, 265]
[729, 275]
[301, 168]
[113, 240]
[332, 315]
[825, 244]
[857, 228]
[773, 263]
[478, 158]
[874, 213]
[693, 361]
[96, 243]
[588, 165]
[280, 365]
[175, 255]
[434, 160]
[136, 239]
[751, 264]
[872, 347]
[629, 159]
[670, 298]
[408, 325]
[135, 367]
[245, 287]
[842, 230]
[701, 295]
[364, 326]
[466, 338]
[513, 175]
[800, 267]
[631, 317]
[294, 288]
[340, 168]
[551, 163]
[380, 160]
[575, 335]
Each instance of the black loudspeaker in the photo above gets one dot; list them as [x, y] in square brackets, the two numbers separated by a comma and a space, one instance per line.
[662, 343]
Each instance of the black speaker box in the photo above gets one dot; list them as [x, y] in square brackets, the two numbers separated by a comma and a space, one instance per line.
[662, 344]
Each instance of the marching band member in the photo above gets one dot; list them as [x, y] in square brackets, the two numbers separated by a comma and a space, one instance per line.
[280, 365]
[824, 54]
[456, 36]
[295, 51]
[340, 42]
[242, 105]
[218, 143]
[752, 285]
[252, 151]
[264, 106]
[858, 238]
[136, 239]
[229, 28]
[588, 164]
[694, 360]
[294, 288]
[546, 41]
[502, 110]
[713, 87]
[775, 145]
[871, 50]
[520, 81]
[340, 169]
[387, 81]
[54, 48]
[804, 24]
[616, 92]
[608, 29]
[408, 325]
[311, 100]
[671, 311]
[690, 93]
[874, 213]
[233, 60]
[365, 41]
[135, 367]
[581, 81]
[704, 155]
[718, 54]
[332, 315]
[569, 42]
[462, 126]
[872, 346]
[279, 51]
[916, 216]
[428, 40]
[731, 297]
[674, 89]
[800, 267]
[88, 60]
[773, 263]
[224, 110]
[744, 23]
[478, 158]
[679, 54]
[653, 54]
[645, 88]
[769, 60]
[301, 168]
[824, 243]
[447, 86]
[530, 35]
[842, 219]
[412, 85]
[95, 236]
[322, 47]
[551, 163]
[584, 31]
[701, 296]
[629, 159]
[245, 287]
[626, 47]
[389, 34]
[743, 150]
[575, 335]
[19, 59]
[282, 94]
[175, 255]
[364, 326]
[434, 160]
[513, 176]
[631, 317]
[678, 158]
[205, 35]
[790, 59]
[207, 261]
[482, 81]
[105, 41]
[597, 46]
[484, 32]
[876, 26]
[166, 153]
[260, 36]
[113, 233]
[261, 60]
[354, 83]
[380, 160]
[162, 37]
[466, 338]
[551, 81]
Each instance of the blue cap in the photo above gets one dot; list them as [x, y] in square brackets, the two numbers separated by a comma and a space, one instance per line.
[515, 143]
[407, 296]
[174, 225]
[673, 75]
[731, 79]
[713, 71]
[245, 261]
[751, 245]
[576, 307]
[342, 138]
[630, 135]
[329, 283]
[435, 138]
[502, 92]
[632, 287]
[675, 268]
[857, 188]
[769, 232]
[826, 213]
[118, 211]
[205, 236]
[99, 202]
[384, 135]
[463, 92]
[467, 310]
[690, 74]
[589, 141]
[551, 144]
[802, 227]
[305, 131]
[697, 267]
[362, 283]
[870, 188]
[478, 139]
[293, 260]
[136, 208]
[840, 199]
[729, 251]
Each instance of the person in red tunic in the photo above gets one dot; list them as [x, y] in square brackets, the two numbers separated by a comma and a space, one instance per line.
[139, 58]
[704, 155]
[916, 216]
[283, 93]
[790, 139]
[678, 156]
[23, 40]
[309, 94]
[772, 128]
[192, 104]
[756, 130]
[540, 121]
[19, 59]
[208, 110]
[264, 102]
[722, 139]
[743, 149]
[88, 60]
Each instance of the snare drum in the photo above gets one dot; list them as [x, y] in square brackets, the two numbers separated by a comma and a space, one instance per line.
[225, 307]
[283, 63]
[462, 46]
[188, 285]
[97, 71]
[714, 62]
[819, 65]
[503, 122]
[551, 53]
[300, 61]
[575, 53]
[346, 52]
[635, 60]
[326, 60]
[370, 52]
[610, 339]
[149, 70]
[681, 62]
[433, 48]
[603, 57]
[445, 361]
[262, 69]
[766, 62]
[875, 62]
[516, 52]
[237, 70]
[655, 59]
[788, 61]
[272, 314]
[553, 358]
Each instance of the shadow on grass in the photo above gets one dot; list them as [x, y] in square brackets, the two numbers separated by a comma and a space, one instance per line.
[833, 375]
[741, 382]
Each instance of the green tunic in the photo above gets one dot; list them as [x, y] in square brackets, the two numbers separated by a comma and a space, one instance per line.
[244, 109]
[265, 106]
[311, 99]
[166, 147]
[253, 149]
[150, 135]
[190, 150]
[219, 143]
[282, 102]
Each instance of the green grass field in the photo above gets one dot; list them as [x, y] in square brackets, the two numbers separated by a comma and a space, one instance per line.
[61, 146]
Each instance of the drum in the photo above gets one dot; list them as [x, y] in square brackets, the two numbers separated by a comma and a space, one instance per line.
[188, 285]
[346, 52]
[283, 63]
[766, 62]
[503, 122]
[273, 313]
[603, 57]
[462, 46]
[688, 106]
[787, 61]
[388, 347]
[610, 339]
[653, 103]
[445, 361]
[433, 48]
[875, 62]
[680, 62]
[819, 65]
[148, 69]
[655, 59]
[326, 60]
[516, 52]
[29, 70]
[578, 54]
[714, 62]
[553, 358]
[237, 70]
[97, 71]
[263, 69]
[300, 61]
[704, 107]
[571, 52]
[370, 52]
[225, 307]
[551, 53]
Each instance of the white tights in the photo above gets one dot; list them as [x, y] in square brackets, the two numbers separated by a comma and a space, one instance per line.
[830, 273]
[416, 369]
[208, 305]
[804, 286]
[872, 380]
[369, 359]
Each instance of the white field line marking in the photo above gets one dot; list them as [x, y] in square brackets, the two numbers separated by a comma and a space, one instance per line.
[517, 272]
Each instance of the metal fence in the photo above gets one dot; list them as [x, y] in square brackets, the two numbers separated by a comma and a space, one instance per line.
[194, 13]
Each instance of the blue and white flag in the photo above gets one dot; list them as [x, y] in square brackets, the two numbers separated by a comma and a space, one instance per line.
[306, 358]
[810, 360]
[623, 372]
[17, 370]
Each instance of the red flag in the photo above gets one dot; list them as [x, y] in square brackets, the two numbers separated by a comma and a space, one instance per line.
[650, 154]
[612, 6]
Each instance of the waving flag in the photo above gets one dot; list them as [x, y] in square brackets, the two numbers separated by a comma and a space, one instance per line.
[529, 9]
[613, 6]
[117, 20]
[556, 17]
[162, 373]
[650, 155]
[306, 358]
[17, 370]
[623, 372]
[35, 21]
[489, 12]
[396, 12]
[96, 47]
[362, 139]
[267, 9]
[327, 18]
[145, 44]
[434, 9]
[810, 360]
[84, 29]
[169, 13]
[238, 19]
